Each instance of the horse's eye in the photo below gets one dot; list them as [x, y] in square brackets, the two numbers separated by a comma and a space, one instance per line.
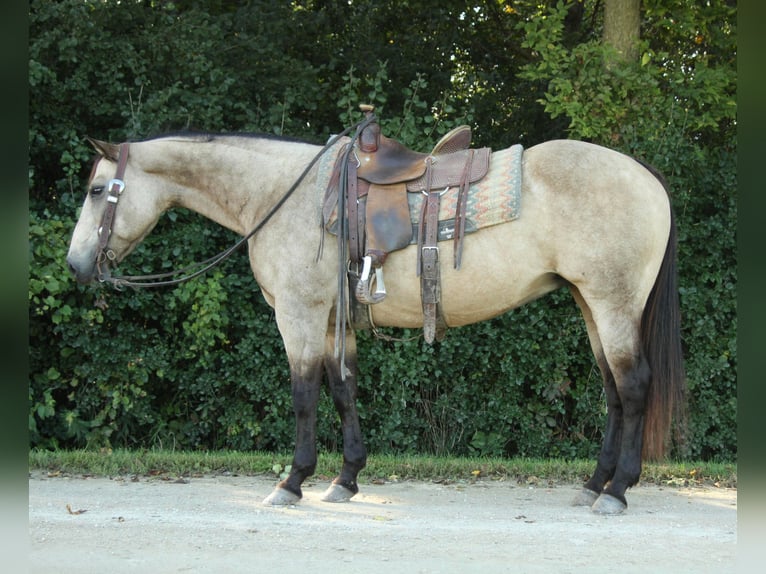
[97, 190]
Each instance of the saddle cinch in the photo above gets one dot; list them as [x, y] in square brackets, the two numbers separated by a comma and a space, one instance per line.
[379, 174]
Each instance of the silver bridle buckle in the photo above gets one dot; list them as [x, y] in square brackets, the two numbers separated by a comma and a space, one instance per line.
[118, 183]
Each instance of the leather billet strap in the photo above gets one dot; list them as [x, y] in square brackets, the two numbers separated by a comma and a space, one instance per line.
[355, 227]
[460, 209]
[428, 264]
[115, 189]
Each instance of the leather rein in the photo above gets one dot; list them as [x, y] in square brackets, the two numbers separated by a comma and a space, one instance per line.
[116, 187]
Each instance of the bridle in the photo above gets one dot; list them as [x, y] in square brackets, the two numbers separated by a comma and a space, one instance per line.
[117, 186]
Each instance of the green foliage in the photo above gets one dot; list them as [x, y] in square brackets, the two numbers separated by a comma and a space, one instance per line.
[630, 105]
[417, 123]
[517, 384]
[201, 366]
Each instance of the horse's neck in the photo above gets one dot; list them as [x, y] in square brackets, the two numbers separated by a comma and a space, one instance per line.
[232, 181]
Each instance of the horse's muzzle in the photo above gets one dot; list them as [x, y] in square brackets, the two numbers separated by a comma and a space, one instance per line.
[84, 274]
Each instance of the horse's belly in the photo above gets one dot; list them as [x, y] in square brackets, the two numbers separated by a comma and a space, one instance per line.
[464, 305]
[490, 282]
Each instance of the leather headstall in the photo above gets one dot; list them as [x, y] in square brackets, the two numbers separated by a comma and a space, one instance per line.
[115, 188]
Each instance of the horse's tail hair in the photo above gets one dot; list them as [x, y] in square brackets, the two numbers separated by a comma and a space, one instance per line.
[665, 415]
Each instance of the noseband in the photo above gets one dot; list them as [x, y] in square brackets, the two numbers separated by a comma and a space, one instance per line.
[115, 186]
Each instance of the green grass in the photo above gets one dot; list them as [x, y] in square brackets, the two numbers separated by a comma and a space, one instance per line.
[385, 467]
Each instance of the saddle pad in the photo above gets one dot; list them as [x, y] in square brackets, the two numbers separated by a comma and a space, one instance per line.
[492, 200]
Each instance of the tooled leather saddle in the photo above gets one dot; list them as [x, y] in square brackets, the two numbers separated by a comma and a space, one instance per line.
[375, 176]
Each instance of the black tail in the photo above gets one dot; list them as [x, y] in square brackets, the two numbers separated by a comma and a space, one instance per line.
[661, 340]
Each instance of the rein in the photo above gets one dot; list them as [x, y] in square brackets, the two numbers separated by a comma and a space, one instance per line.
[117, 186]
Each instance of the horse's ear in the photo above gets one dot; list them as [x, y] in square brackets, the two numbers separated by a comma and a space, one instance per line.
[108, 150]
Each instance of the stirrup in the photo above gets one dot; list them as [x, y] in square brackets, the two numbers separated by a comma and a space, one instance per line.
[363, 294]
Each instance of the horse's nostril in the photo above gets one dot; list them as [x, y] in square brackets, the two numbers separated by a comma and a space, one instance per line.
[72, 267]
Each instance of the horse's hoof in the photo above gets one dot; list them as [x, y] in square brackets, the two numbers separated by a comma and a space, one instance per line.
[281, 497]
[586, 497]
[337, 493]
[608, 504]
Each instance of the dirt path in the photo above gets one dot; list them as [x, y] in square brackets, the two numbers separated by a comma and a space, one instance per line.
[218, 525]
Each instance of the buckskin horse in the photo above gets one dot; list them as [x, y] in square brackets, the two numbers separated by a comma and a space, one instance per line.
[592, 219]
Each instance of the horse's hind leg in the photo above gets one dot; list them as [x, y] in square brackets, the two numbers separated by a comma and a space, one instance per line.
[610, 448]
[632, 379]
[344, 397]
[626, 380]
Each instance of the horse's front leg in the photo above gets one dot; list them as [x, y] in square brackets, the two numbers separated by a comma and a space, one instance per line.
[344, 393]
[306, 381]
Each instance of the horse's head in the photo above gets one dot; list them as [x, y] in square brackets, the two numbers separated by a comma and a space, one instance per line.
[120, 209]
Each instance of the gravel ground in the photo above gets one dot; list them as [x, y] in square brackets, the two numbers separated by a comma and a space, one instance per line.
[218, 524]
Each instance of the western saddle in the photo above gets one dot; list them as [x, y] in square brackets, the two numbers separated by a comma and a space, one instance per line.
[378, 174]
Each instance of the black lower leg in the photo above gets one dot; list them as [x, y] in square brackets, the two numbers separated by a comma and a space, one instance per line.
[633, 391]
[610, 449]
[629, 464]
[344, 397]
[305, 391]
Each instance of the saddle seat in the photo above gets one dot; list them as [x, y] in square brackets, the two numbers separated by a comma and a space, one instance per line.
[391, 162]
[385, 161]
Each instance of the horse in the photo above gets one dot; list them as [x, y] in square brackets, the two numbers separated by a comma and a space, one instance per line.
[593, 220]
